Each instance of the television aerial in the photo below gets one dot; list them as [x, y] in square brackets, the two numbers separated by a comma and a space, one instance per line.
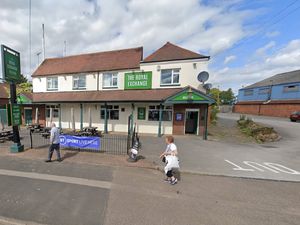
[203, 76]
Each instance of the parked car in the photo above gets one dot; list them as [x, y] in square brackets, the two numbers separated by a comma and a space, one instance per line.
[295, 116]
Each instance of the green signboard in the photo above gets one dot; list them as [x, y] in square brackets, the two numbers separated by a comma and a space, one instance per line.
[138, 80]
[185, 96]
[141, 113]
[10, 64]
[15, 115]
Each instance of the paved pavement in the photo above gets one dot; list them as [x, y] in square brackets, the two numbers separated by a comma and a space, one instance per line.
[277, 160]
[34, 193]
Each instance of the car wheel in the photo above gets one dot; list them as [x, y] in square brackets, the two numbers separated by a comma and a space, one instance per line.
[293, 120]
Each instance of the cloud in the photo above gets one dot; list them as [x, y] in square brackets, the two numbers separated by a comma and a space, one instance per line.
[272, 34]
[229, 59]
[96, 25]
[285, 59]
[262, 51]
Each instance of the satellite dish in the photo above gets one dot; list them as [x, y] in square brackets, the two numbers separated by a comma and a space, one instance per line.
[203, 76]
[207, 86]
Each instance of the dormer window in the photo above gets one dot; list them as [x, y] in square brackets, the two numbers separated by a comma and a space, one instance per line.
[52, 83]
[110, 80]
[169, 77]
[79, 82]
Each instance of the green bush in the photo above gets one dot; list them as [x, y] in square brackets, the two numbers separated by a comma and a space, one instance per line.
[214, 114]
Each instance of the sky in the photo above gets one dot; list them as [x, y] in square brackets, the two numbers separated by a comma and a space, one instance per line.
[248, 40]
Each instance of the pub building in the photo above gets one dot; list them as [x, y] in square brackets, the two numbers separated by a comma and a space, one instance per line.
[114, 90]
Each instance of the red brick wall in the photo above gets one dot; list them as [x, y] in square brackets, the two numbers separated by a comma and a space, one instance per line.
[178, 126]
[278, 109]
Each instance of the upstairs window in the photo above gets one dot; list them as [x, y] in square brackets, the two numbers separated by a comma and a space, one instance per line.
[79, 82]
[110, 80]
[153, 113]
[52, 83]
[112, 112]
[264, 91]
[248, 92]
[291, 88]
[169, 77]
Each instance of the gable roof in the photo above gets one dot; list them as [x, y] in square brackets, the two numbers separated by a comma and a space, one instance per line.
[4, 90]
[92, 62]
[282, 78]
[170, 52]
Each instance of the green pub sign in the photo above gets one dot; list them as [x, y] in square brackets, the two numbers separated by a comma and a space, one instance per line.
[10, 64]
[138, 80]
[15, 115]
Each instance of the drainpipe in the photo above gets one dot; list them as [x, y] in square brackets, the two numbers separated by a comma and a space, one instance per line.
[132, 118]
[205, 123]
[81, 116]
[59, 116]
[105, 118]
[160, 120]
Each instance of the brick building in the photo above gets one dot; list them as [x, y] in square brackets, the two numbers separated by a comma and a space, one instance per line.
[278, 95]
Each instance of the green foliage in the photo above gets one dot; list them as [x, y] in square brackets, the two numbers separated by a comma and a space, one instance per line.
[24, 88]
[23, 79]
[222, 97]
[214, 114]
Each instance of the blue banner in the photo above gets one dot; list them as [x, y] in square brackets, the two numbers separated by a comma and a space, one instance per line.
[69, 141]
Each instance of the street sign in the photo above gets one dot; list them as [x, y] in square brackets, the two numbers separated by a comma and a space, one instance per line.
[15, 115]
[138, 80]
[185, 96]
[10, 64]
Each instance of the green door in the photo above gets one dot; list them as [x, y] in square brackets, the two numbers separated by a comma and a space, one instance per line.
[28, 116]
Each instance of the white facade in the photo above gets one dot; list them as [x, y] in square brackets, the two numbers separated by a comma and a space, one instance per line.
[188, 71]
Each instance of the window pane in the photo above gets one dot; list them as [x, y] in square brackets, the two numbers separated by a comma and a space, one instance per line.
[176, 78]
[114, 114]
[55, 82]
[153, 115]
[115, 81]
[166, 76]
[107, 80]
[102, 112]
[81, 82]
[167, 115]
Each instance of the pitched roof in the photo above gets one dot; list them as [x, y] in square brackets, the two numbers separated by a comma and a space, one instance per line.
[92, 62]
[170, 52]
[153, 95]
[282, 78]
[4, 90]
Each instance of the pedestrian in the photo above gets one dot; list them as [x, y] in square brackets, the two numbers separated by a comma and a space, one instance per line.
[169, 157]
[54, 143]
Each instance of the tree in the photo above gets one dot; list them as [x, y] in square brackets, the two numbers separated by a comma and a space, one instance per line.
[23, 79]
[227, 97]
[24, 88]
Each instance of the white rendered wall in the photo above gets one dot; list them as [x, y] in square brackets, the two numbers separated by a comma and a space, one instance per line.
[121, 125]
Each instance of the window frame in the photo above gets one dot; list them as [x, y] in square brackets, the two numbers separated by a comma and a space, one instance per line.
[55, 112]
[78, 78]
[286, 88]
[264, 91]
[112, 76]
[249, 90]
[172, 77]
[47, 82]
[166, 109]
[110, 110]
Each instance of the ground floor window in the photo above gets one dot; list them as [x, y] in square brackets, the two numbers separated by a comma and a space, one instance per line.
[112, 112]
[153, 113]
[55, 111]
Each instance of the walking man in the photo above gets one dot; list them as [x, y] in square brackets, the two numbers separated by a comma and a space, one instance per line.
[54, 143]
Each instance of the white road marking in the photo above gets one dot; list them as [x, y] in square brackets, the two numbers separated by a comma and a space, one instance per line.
[256, 165]
[279, 166]
[63, 179]
[238, 167]
[9, 221]
[273, 167]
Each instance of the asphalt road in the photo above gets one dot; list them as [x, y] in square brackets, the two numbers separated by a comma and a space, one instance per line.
[33, 192]
[274, 161]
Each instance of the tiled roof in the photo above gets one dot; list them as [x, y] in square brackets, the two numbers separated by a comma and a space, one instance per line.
[4, 90]
[282, 78]
[108, 95]
[170, 52]
[93, 62]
